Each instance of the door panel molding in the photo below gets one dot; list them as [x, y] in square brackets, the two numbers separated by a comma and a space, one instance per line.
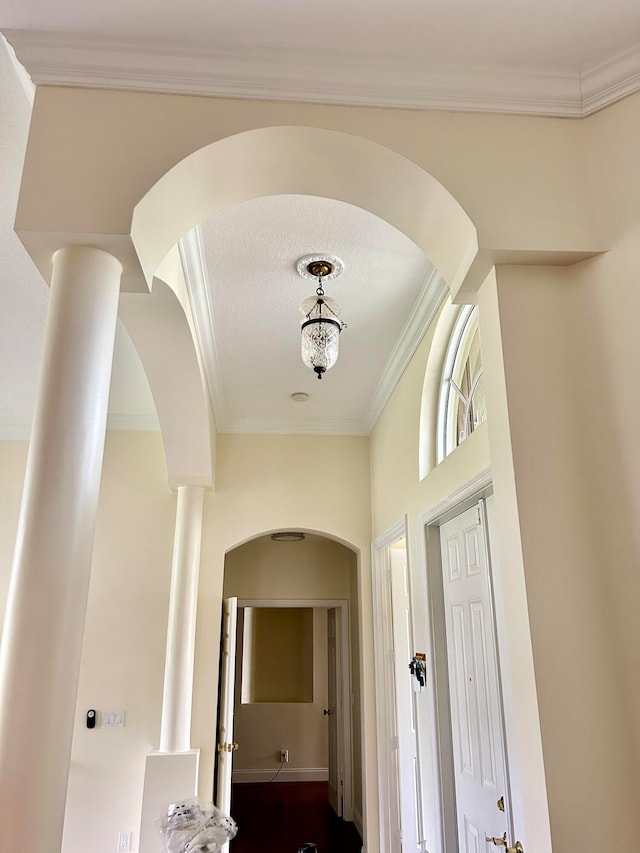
[467, 495]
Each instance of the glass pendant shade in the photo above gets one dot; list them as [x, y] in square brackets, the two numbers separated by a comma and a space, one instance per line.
[320, 336]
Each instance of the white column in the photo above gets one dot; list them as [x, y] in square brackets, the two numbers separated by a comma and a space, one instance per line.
[175, 734]
[42, 639]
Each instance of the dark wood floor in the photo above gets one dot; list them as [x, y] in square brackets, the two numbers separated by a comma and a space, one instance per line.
[281, 816]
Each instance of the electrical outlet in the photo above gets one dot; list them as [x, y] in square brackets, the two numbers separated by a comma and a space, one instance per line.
[284, 755]
[124, 841]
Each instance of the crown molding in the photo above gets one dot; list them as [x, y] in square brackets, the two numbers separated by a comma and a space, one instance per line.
[429, 300]
[197, 276]
[249, 426]
[433, 291]
[121, 422]
[610, 81]
[17, 432]
[133, 423]
[320, 76]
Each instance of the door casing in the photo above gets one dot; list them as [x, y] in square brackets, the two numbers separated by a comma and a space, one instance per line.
[478, 489]
[390, 778]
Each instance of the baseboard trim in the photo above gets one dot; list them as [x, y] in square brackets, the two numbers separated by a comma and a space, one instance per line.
[287, 774]
[357, 822]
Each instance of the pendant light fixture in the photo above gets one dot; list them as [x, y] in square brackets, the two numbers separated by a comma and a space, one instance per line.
[321, 325]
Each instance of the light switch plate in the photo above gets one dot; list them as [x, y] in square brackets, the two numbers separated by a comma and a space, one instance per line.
[124, 840]
[112, 719]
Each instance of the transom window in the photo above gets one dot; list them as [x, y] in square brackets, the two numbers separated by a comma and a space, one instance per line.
[462, 405]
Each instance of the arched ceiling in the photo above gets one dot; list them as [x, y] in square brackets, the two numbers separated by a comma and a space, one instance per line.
[254, 292]
[565, 58]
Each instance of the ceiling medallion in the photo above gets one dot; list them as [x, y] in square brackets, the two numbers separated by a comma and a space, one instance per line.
[309, 265]
[320, 327]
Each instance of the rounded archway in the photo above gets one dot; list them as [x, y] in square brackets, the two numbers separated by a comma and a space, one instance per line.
[272, 161]
[305, 161]
[297, 675]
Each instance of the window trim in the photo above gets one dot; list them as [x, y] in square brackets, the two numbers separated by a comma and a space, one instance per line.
[464, 327]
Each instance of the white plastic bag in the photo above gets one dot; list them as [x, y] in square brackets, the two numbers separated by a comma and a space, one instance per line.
[195, 826]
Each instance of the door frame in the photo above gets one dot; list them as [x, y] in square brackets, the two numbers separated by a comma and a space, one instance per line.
[344, 720]
[470, 494]
[383, 649]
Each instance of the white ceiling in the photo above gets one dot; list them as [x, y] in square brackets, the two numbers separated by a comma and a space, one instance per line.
[250, 252]
[534, 33]
[552, 57]
[564, 57]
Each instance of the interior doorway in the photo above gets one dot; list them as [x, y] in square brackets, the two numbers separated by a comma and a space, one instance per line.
[293, 686]
[473, 772]
[401, 823]
[304, 710]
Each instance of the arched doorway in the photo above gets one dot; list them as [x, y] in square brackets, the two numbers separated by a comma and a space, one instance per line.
[296, 691]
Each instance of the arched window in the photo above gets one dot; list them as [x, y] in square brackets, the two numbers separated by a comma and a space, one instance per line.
[462, 405]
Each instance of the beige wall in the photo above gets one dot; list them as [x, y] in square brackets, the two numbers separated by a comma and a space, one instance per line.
[561, 438]
[263, 729]
[316, 568]
[517, 177]
[278, 654]
[565, 462]
[608, 410]
[397, 490]
[124, 648]
[123, 654]
[544, 343]
[262, 486]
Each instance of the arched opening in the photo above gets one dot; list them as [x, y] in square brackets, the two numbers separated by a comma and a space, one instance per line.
[310, 162]
[305, 161]
[275, 161]
[296, 692]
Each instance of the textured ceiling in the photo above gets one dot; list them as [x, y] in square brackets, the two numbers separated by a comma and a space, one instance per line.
[251, 252]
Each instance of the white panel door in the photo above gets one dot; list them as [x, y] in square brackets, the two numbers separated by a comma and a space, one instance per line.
[226, 745]
[334, 702]
[476, 718]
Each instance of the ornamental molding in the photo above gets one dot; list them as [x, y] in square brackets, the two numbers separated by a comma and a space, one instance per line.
[433, 291]
[115, 421]
[68, 59]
